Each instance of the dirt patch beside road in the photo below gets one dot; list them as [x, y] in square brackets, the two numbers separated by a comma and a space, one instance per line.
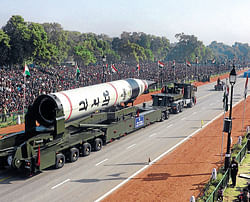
[183, 172]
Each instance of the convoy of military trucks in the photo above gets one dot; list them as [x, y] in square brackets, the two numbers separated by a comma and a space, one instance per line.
[76, 122]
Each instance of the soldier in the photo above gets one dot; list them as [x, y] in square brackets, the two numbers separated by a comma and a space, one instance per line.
[218, 81]
[234, 170]
[4, 114]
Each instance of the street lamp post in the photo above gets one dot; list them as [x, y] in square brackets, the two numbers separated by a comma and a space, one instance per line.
[232, 80]
[103, 69]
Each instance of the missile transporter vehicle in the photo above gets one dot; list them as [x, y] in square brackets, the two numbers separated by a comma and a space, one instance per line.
[65, 133]
[175, 98]
[75, 122]
[41, 147]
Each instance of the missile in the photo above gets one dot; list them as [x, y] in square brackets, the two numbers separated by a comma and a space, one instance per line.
[82, 101]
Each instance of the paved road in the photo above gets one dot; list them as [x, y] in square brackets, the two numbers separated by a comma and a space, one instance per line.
[91, 177]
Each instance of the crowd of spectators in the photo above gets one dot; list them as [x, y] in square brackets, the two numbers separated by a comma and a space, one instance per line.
[44, 80]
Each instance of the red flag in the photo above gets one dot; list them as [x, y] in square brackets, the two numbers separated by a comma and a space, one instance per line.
[38, 156]
[138, 67]
[245, 92]
[160, 64]
[173, 64]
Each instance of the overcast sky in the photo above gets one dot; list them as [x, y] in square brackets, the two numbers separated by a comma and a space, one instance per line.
[224, 21]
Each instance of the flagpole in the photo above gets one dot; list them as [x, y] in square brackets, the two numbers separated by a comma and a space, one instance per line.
[186, 72]
[24, 92]
[111, 72]
[174, 74]
[243, 114]
[158, 77]
[138, 71]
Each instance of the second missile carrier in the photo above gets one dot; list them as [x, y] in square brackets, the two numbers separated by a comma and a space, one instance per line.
[58, 140]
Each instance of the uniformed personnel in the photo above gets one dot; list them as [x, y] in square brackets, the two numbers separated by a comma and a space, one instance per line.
[234, 170]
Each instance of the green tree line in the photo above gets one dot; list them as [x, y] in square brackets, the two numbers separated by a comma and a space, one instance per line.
[49, 44]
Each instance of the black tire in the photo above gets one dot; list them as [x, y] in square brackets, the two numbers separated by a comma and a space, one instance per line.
[98, 144]
[181, 107]
[163, 116]
[86, 149]
[73, 154]
[60, 161]
[167, 115]
[177, 109]
[190, 105]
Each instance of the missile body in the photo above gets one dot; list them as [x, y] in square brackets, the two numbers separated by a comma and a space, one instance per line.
[83, 101]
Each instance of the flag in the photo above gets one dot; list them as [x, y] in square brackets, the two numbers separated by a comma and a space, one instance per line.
[138, 67]
[245, 92]
[173, 64]
[77, 72]
[26, 71]
[188, 63]
[196, 60]
[160, 64]
[114, 70]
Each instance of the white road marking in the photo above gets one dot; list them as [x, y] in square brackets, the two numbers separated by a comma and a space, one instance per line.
[131, 146]
[60, 184]
[169, 125]
[159, 157]
[194, 113]
[204, 96]
[211, 104]
[101, 162]
[153, 135]
[183, 118]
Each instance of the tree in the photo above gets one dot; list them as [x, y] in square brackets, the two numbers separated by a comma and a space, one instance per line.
[159, 47]
[83, 56]
[18, 32]
[4, 48]
[58, 37]
[222, 52]
[188, 48]
[38, 44]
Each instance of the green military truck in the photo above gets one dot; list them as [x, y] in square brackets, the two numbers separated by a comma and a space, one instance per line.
[175, 98]
[39, 147]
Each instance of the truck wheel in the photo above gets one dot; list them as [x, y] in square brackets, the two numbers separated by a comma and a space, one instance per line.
[98, 144]
[190, 105]
[73, 154]
[60, 160]
[167, 115]
[163, 116]
[86, 149]
[181, 108]
[177, 109]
